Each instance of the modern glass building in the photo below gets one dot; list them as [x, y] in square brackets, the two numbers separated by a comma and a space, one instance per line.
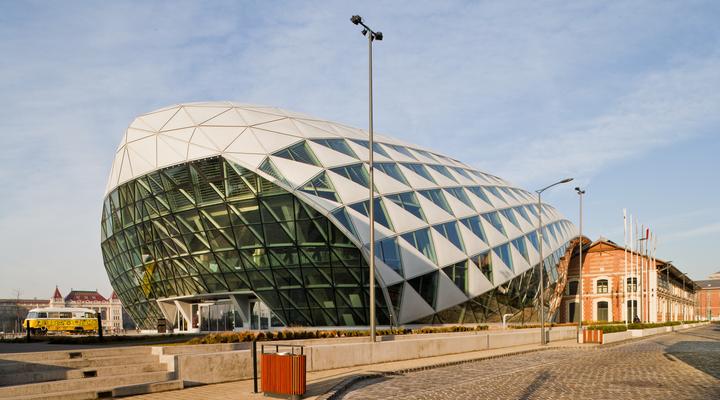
[220, 216]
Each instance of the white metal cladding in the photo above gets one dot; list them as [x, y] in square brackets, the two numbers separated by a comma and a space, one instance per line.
[423, 196]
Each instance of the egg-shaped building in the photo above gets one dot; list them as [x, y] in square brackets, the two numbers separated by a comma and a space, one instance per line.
[222, 215]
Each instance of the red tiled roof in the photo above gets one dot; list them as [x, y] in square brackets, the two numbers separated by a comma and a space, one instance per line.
[113, 296]
[84, 295]
[57, 294]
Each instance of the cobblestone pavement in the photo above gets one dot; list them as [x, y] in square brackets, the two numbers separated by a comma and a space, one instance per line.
[681, 365]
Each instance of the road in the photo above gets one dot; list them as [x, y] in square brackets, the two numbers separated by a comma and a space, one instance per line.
[680, 365]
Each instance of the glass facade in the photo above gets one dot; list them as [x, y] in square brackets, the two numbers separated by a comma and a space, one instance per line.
[211, 226]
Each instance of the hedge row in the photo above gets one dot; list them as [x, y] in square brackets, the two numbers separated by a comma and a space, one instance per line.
[236, 337]
[528, 326]
[608, 328]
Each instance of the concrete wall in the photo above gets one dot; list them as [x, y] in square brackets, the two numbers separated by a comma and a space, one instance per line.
[616, 337]
[204, 364]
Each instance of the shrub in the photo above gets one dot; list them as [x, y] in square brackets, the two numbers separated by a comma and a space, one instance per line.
[607, 328]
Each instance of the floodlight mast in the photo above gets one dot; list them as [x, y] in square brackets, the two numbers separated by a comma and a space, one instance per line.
[371, 35]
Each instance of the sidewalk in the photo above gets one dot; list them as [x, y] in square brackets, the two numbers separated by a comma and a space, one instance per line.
[320, 382]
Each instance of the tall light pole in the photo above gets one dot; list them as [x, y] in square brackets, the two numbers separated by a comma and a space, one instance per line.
[580, 263]
[542, 261]
[372, 36]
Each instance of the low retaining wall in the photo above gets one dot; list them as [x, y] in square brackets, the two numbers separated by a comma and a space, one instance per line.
[616, 337]
[205, 364]
[637, 333]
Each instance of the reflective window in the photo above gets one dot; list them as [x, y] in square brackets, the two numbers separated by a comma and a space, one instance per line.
[339, 145]
[381, 216]
[494, 220]
[426, 286]
[420, 239]
[602, 286]
[443, 170]
[494, 190]
[632, 284]
[462, 172]
[451, 232]
[519, 244]
[484, 262]
[473, 223]
[356, 173]
[420, 170]
[459, 194]
[602, 311]
[409, 202]
[510, 215]
[392, 170]
[504, 253]
[377, 148]
[402, 150]
[387, 250]
[437, 197]
[458, 274]
[477, 191]
[322, 187]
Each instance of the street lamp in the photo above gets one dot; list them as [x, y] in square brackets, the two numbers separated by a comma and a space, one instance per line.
[372, 36]
[542, 261]
[580, 263]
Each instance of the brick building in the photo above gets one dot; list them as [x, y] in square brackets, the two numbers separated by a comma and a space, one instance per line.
[709, 297]
[654, 290]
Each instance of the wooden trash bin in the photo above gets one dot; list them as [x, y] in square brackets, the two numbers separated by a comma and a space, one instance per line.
[283, 373]
[592, 336]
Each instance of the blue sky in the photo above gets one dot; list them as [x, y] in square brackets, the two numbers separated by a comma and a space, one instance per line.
[624, 96]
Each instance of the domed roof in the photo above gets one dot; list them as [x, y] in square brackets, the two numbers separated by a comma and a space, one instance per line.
[422, 197]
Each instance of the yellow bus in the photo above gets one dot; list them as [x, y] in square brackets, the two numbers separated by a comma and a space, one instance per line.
[61, 319]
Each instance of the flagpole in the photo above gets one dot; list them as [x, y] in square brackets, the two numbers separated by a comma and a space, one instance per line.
[624, 283]
[632, 277]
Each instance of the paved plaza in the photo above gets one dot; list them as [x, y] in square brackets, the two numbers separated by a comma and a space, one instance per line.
[682, 365]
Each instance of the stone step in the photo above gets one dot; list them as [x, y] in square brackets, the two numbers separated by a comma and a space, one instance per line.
[87, 384]
[119, 391]
[22, 366]
[85, 353]
[60, 373]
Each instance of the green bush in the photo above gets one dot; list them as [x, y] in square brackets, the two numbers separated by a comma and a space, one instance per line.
[653, 325]
[607, 328]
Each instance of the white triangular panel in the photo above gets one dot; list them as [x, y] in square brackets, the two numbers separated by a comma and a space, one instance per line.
[199, 138]
[141, 125]
[385, 184]
[246, 142]
[403, 221]
[524, 224]
[416, 181]
[494, 236]
[325, 204]
[158, 119]
[477, 282]
[125, 168]
[222, 136]
[460, 209]
[322, 125]
[180, 120]
[249, 161]
[349, 132]
[433, 213]
[143, 155]
[254, 118]
[196, 152]
[202, 114]
[496, 201]
[397, 156]
[227, 118]
[533, 254]
[136, 134]
[180, 134]
[473, 244]
[388, 275]
[285, 126]
[520, 264]
[448, 294]
[349, 191]
[328, 157]
[414, 262]
[115, 171]
[362, 152]
[170, 151]
[445, 251]
[362, 227]
[272, 141]
[309, 131]
[296, 173]
[412, 306]
[460, 178]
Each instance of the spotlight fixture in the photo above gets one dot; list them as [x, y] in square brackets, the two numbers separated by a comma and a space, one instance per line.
[364, 32]
[356, 19]
[378, 35]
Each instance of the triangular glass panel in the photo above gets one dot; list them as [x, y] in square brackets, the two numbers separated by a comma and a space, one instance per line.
[495, 192]
[337, 145]
[510, 215]
[376, 147]
[504, 253]
[322, 187]
[451, 233]
[519, 244]
[523, 212]
[422, 241]
[437, 197]
[426, 287]
[460, 194]
[443, 170]
[420, 170]
[484, 262]
[473, 223]
[387, 250]
[299, 152]
[355, 173]
[533, 238]
[381, 216]
[342, 217]
[270, 169]
[494, 219]
[409, 202]
[458, 273]
[392, 170]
